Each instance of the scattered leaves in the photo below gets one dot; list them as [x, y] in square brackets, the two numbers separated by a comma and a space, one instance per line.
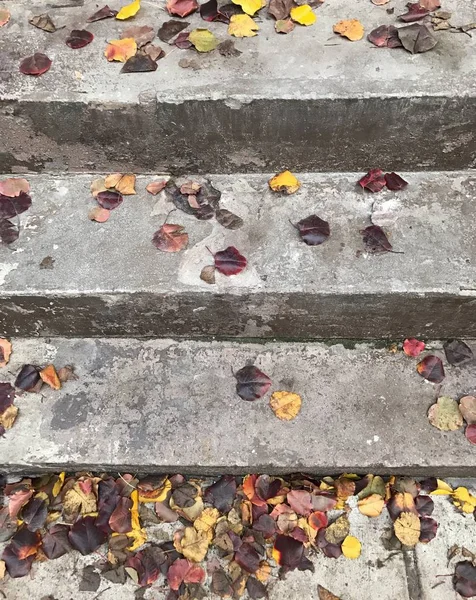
[285, 405]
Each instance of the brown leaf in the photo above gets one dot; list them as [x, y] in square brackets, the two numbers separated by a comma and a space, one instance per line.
[50, 377]
[104, 13]
[140, 63]
[142, 35]
[5, 352]
[126, 184]
[385, 36]
[208, 274]
[98, 214]
[322, 592]
[227, 48]
[430, 5]
[170, 238]
[408, 529]
[7, 418]
[67, 373]
[43, 22]
[155, 53]
[154, 187]
[170, 29]
[467, 406]
[417, 38]
[431, 368]
[445, 414]
[337, 531]
[457, 352]
[35, 65]
[280, 9]
[284, 26]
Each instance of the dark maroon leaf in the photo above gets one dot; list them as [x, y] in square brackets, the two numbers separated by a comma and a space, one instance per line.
[222, 493]
[374, 181]
[109, 199]
[415, 13]
[11, 207]
[417, 38]
[280, 9]
[121, 518]
[230, 261]
[267, 487]
[256, 589]
[35, 65]
[429, 485]
[313, 230]
[329, 550]
[265, 525]
[228, 10]
[79, 38]
[25, 542]
[27, 378]
[171, 28]
[55, 542]
[165, 513]
[288, 551]
[375, 239]
[85, 536]
[209, 10]
[424, 505]
[17, 567]
[182, 41]
[147, 565]
[228, 219]
[8, 524]
[470, 433]
[104, 13]
[464, 579]
[385, 36]
[209, 195]
[248, 558]
[457, 352]
[252, 383]
[429, 528]
[108, 497]
[140, 63]
[394, 182]
[431, 368]
[7, 396]
[34, 514]
[9, 232]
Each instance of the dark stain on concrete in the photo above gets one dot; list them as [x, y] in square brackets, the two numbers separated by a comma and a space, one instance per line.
[69, 411]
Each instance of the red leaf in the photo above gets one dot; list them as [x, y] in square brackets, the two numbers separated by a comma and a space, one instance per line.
[374, 181]
[470, 433]
[313, 230]
[170, 238]
[27, 378]
[104, 13]
[7, 396]
[147, 565]
[79, 38]
[181, 8]
[230, 261]
[249, 483]
[375, 239]
[12, 206]
[413, 347]
[184, 571]
[121, 519]
[35, 65]
[394, 182]
[288, 552]
[415, 13]
[429, 528]
[85, 536]
[431, 368]
[385, 36]
[252, 383]
[300, 502]
[109, 199]
[318, 520]
[248, 558]
[17, 500]
[182, 41]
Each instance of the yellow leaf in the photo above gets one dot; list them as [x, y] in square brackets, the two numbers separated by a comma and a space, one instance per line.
[159, 495]
[264, 571]
[372, 505]
[3, 569]
[135, 510]
[408, 528]
[206, 522]
[193, 544]
[190, 512]
[284, 182]
[352, 29]
[139, 537]
[128, 11]
[58, 485]
[5, 351]
[242, 26]
[250, 7]
[285, 405]
[126, 184]
[351, 547]
[203, 40]
[112, 179]
[443, 489]
[303, 15]
[50, 377]
[120, 50]
[7, 418]
[464, 500]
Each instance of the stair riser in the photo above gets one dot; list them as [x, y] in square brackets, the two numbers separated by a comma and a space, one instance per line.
[411, 133]
[267, 316]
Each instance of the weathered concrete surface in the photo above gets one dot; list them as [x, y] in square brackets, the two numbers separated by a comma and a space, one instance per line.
[172, 406]
[309, 100]
[109, 279]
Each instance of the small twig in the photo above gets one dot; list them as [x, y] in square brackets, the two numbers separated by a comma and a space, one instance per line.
[210, 251]
[104, 590]
[168, 215]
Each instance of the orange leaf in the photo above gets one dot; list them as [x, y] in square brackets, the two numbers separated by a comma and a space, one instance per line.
[13, 187]
[50, 377]
[126, 184]
[5, 351]
[352, 29]
[120, 50]
[249, 483]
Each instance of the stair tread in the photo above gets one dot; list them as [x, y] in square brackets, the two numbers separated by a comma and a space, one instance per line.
[164, 405]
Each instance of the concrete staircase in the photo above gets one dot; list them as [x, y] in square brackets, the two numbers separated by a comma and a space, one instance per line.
[153, 345]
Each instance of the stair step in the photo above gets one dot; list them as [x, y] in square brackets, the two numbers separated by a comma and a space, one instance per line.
[309, 100]
[171, 406]
[109, 279]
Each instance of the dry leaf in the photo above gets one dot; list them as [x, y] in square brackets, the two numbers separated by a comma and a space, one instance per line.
[380, 2]
[7, 418]
[242, 26]
[250, 7]
[193, 544]
[352, 29]
[285, 405]
[206, 522]
[351, 547]
[284, 182]
[170, 238]
[120, 50]
[128, 11]
[467, 406]
[408, 528]
[336, 532]
[50, 377]
[208, 274]
[5, 352]
[203, 40]
[284, 26]
[463, 500]
[112, 180]
[445, 414]
[4, 18]
[303, 15]
[43, 22]
[3, 567]
[154, 187]
[325, 594]
[372, 505]
[98, 214]
[97, 186]
[142, 35]
[14, 186]
[125, 185]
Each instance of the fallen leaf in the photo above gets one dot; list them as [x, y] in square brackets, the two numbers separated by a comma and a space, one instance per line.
[27, 378]
[128, 11]
[142, 35]
[429, 529]
[280, 9]
[465, 579]
[229, 261]
[13, 206]
[209, 11]
[413, 347]
[207, 274]
[337, 531]
[4, 18]
[470, 433]
[247, 558]
[221, 494]
[313, 230]
[352, 29]
[184, 571]
[441, 489]
[120, 50]
[351, 547]
[43, 22]
[182, 8]
[139, 63]
[120, 520]
[109, 199]
[101, 215]
[242, 26]
[374, 181]
[394, 182]
[431, 368]
[267, 487]
[85, 537]
[155, 52]
[284, 182]
[371, 506]
[457, 352]
[380, 2]
[322, 592]
[408, 529]
[79, 38]
[9, 232]
[38, 64]
[227, 48]
[417, 38]
[193, 545]
[14, 187]
[170, 29]
[104, 13]
[256, 589]
[288, 552]
[463, 500]
[430, 5]
[300, 501]
[203, 40]
[249, 483]
[415, 12]
[375, 240]
[154, 187]
[385, 36]
[467, 406]
[34, 514]
[170, 238]
[5, 352]
[251, 383]
[285, 405]
[50, 377]
[8, 417]
[303, 15]
[250, 7]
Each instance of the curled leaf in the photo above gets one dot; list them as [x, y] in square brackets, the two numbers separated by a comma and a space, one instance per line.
[207, 274]
[394, 182]
[43, 22]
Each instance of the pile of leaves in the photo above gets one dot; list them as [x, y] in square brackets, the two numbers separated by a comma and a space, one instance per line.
[14, 200]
